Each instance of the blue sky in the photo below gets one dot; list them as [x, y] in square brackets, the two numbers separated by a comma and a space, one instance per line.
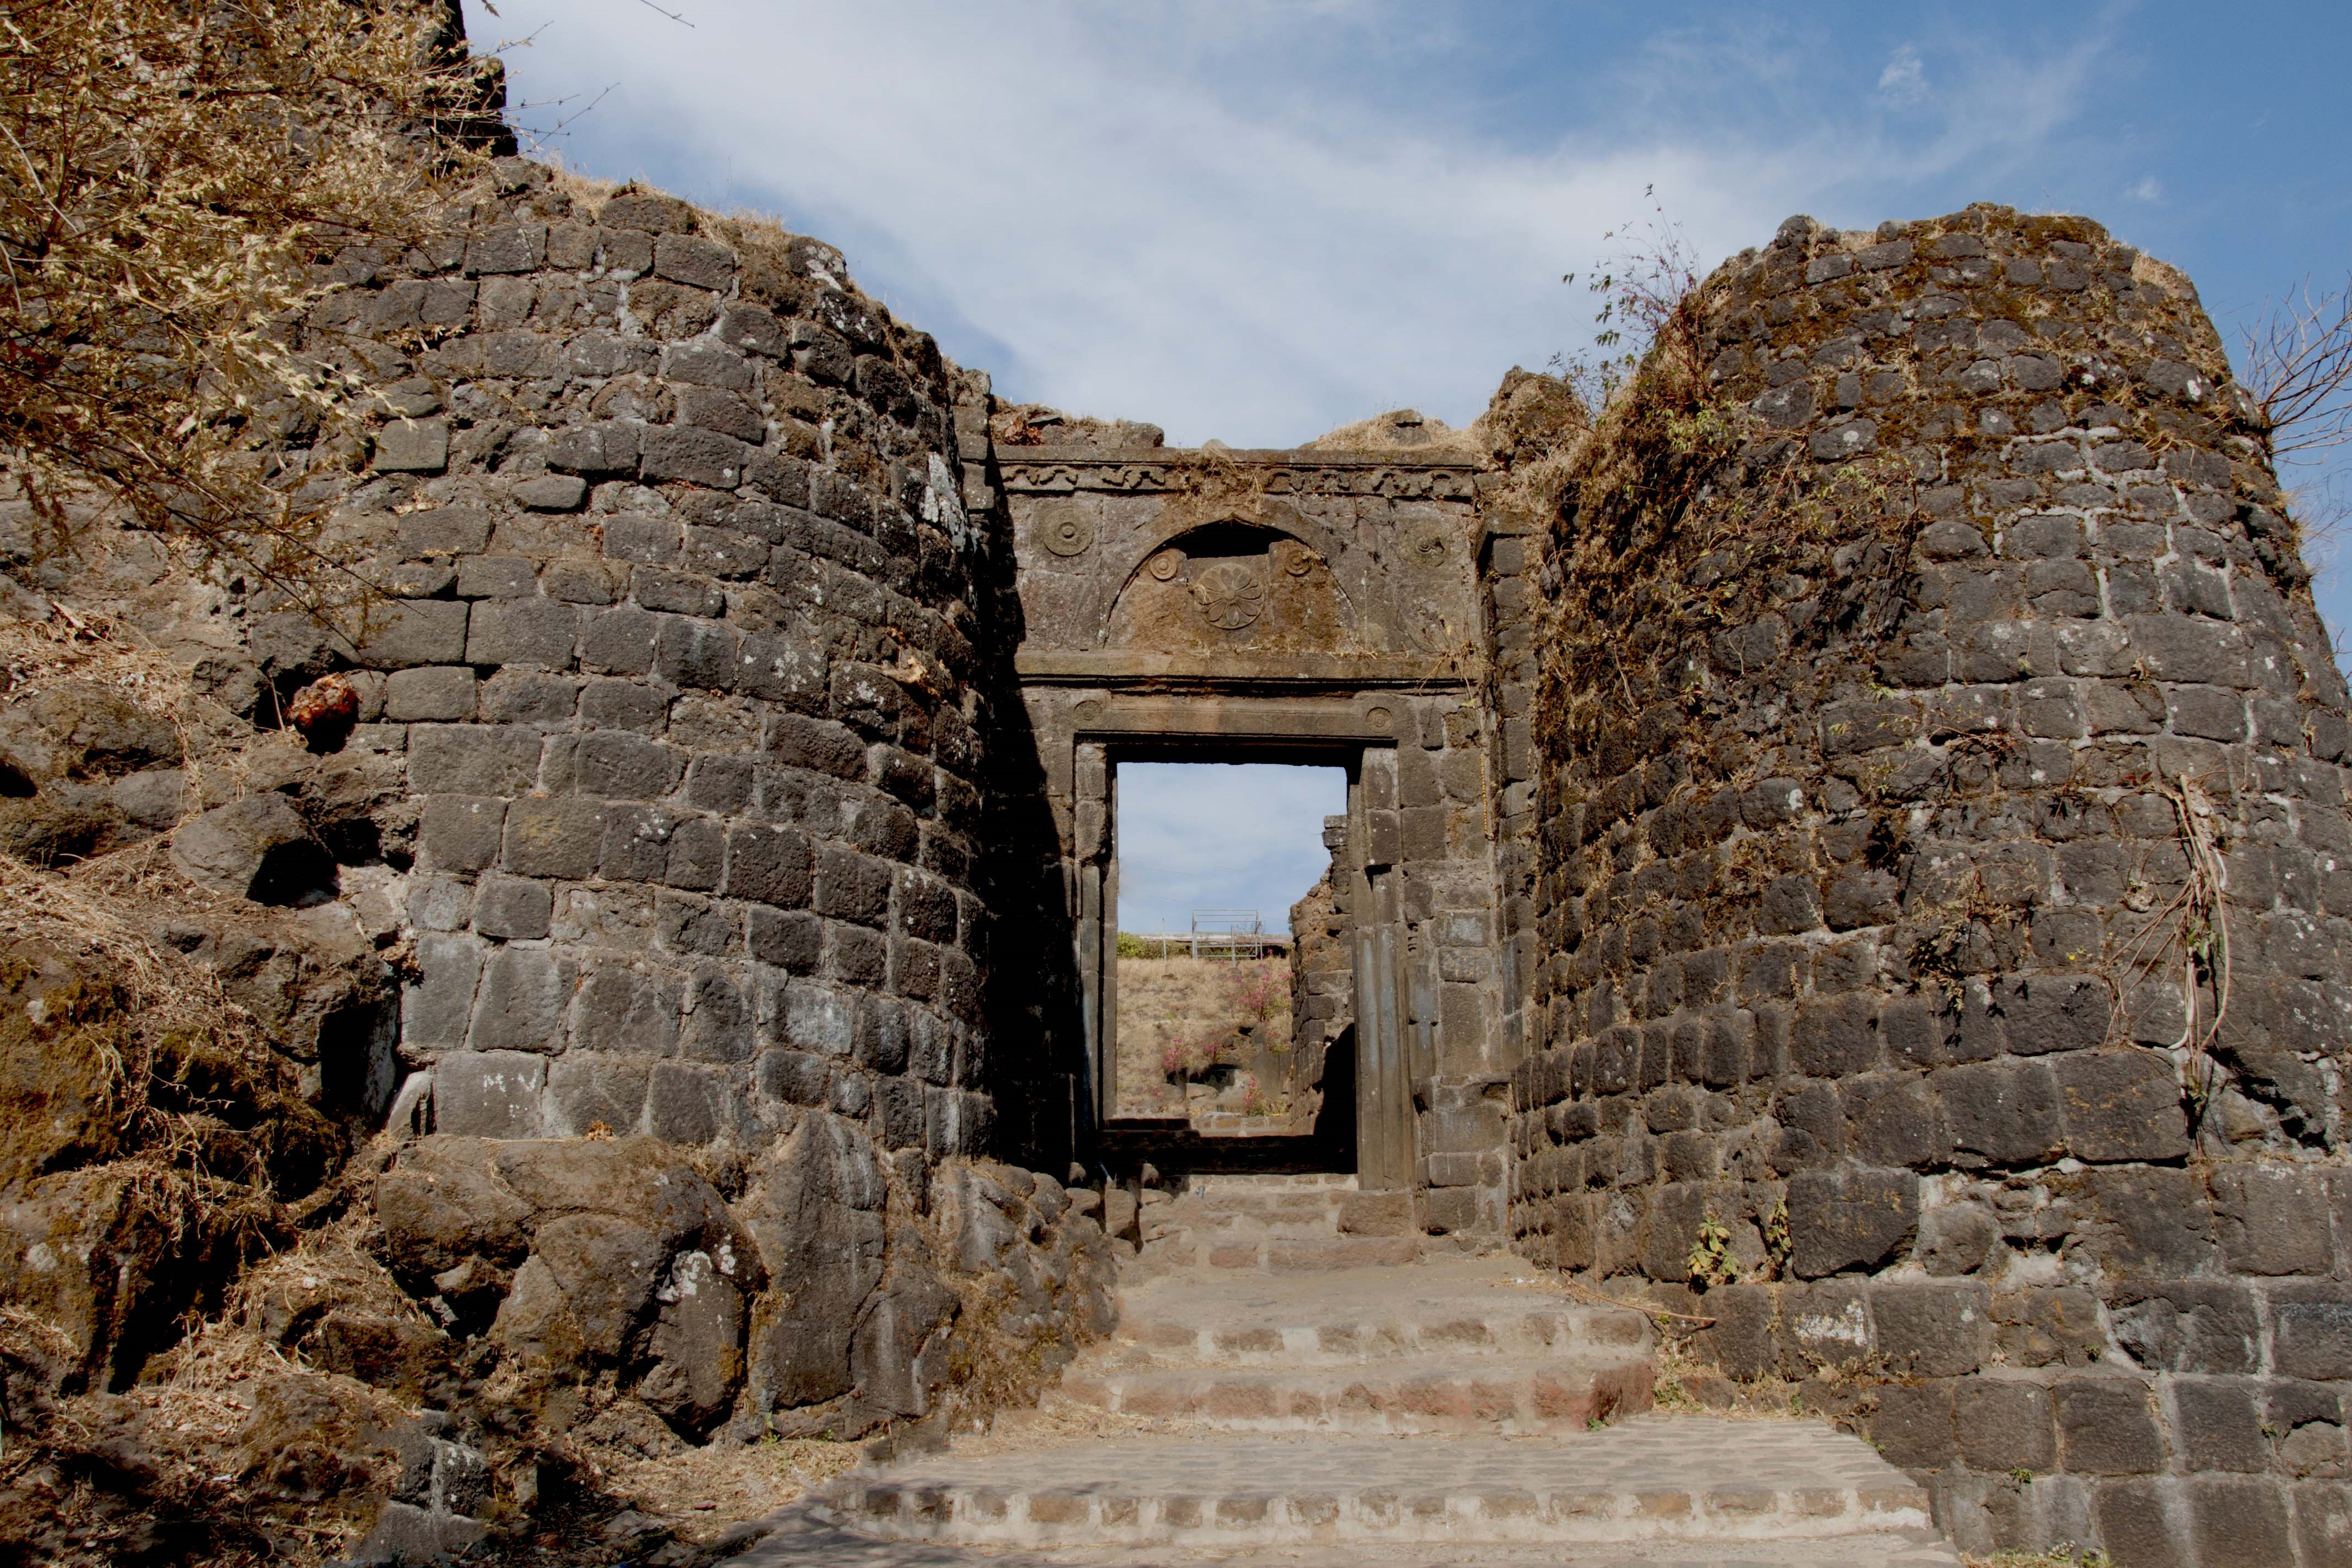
[1195, 835]
[1255, 220]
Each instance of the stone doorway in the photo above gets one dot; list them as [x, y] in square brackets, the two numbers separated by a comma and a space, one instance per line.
[1336, 608]
[1365, 1124]
[1216, 867]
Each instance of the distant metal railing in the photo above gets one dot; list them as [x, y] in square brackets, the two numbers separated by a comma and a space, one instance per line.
[1229, 934]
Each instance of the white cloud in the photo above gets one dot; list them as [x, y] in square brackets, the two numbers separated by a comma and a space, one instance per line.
[1246, 221]
[2148, 189]
[1204, 836]
[1905, 79]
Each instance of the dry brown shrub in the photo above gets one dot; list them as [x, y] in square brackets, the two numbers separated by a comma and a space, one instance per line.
[223, 1421]
[172, 180]
[167, 1052]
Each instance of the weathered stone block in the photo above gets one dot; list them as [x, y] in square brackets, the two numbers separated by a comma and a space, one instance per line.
[436, 1007]
[2045, 1012]
[2123, 1104]
[1933, 1331]
[852, 887]
[2143, 1521]
[795, 1078]
[2272, 1219]
[606, 447]
[492, 1094]
[792, 941]
[2006, 1425]
[2311, 1331]
[553, 837]
[2002, 1112]
[1836, 1037]
[2239, 1520]
[520, 1007]
[510, 907]
[496, 577]
[2193, 1326]
[1789, 905]
[2218, 1425]
[2048, 1326]
[445, 692]
[624, 1010]
[617, 765]
[719, 1018]
[2323, 1523]
[684, 922]
[472, 759]
[2151, 1222]
[697, 457]
[412, 632]
[411, 447]
[540, 632]
[697, 854]
[551, 492]
[693, 260]
[1913, 1425]
[2107, 1427]
[1853, 1216]
[586, 1093]
[685, 1104]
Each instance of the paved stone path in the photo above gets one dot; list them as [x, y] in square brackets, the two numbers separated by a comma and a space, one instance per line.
[1456, 1344]
[799, 1540]
[1652, 1479]
[1444, 1408]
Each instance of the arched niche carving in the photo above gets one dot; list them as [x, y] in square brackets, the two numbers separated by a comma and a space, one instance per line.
[1233, 585]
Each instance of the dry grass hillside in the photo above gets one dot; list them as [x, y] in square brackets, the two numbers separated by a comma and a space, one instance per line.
[1196, 1034]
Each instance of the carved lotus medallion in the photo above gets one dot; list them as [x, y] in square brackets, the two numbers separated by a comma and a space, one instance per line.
[1230, 595]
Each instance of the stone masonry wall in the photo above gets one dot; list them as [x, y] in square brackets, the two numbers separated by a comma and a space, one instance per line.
[1960, 617]
[663, 759]
[1322, 986]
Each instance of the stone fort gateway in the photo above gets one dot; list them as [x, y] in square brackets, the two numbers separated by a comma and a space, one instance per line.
[1840, 912]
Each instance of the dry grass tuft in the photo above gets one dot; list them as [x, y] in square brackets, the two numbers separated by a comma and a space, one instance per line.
[701, 1492]
[2064, 1556]
[1402, 430]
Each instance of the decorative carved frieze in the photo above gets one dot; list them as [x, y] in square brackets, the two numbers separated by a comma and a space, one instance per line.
[1448, 480]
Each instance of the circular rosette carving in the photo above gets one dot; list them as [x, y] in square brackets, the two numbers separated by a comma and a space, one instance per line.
[1295, 559]
[1164, 566]
[1230, 595]
[1066, 532]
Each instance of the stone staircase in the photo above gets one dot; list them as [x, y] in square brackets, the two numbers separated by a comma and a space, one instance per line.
[1298, 1374]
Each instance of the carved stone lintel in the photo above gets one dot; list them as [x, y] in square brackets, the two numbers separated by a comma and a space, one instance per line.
[1450, 480]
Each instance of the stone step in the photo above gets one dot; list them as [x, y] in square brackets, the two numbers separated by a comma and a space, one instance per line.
[1263, 1253]
[1446, 1306]
[1878, 1549]
[1649, 1482]
[1425, 1393]
[795, 1538]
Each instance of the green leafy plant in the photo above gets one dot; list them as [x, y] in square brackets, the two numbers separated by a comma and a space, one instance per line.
[1777, 1244]
[1711, 1261]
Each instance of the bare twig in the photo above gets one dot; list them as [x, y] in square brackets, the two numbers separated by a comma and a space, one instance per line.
[2298, 365]
[173, 181]
[2192, 930]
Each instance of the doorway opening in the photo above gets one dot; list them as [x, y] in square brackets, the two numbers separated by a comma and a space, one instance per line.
[1231, 1000]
